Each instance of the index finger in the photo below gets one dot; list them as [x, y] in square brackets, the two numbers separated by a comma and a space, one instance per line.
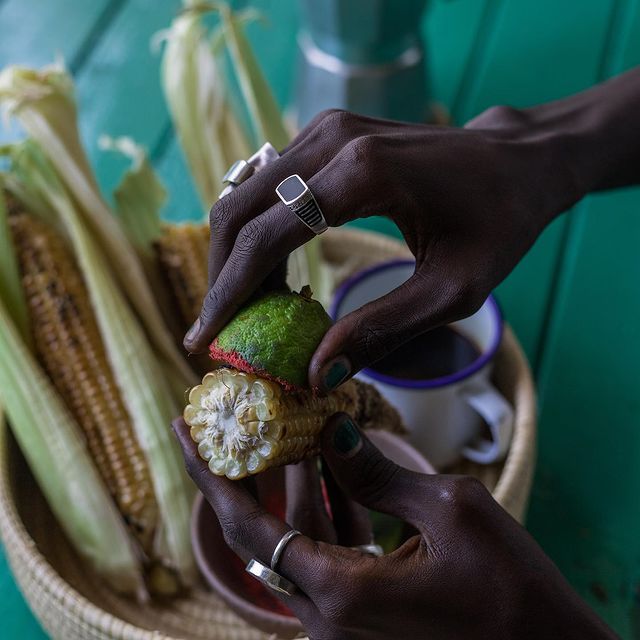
[270, 237]
[249, 530]
[261, 245]
[254, 196]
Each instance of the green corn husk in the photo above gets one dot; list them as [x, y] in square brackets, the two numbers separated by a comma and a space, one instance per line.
[144, 389]
[55, 451]
[44, 103]
[138, 200]
[264, 113]
[194, 88]
[139, 196]
[53, 446]
[16, 188]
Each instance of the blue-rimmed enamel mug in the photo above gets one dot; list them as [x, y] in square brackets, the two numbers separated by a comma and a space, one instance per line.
[444, 415]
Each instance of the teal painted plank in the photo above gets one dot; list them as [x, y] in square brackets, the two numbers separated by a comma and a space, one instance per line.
[17, 619]
[275, 46]
[584, 508]
[450, 30]
[35, 31]
[533, 52]
[119, 90]
[183, 203]
[117, 74]
[46, 36]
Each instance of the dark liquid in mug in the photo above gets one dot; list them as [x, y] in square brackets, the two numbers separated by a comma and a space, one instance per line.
[437, 353]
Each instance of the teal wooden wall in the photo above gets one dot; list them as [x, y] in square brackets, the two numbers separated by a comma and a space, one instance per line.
[574, 301]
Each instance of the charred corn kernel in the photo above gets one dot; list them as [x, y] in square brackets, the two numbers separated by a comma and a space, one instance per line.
[69, 346]
[244, 424]
[182, 251]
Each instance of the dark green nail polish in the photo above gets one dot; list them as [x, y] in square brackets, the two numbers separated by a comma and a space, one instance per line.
[346, 438]
[336, 374]
[193, 332]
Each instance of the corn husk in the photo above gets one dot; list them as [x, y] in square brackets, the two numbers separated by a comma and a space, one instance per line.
[44, 103]
[138, 375]
[266, 119]
[16, 188]
[139, 196]
[209, 134]
[138, 199]
[51, 443]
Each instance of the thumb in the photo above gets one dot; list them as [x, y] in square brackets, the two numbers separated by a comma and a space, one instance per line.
[367, 476]
[371, 332]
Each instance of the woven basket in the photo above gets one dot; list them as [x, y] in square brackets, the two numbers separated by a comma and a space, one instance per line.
[72, 604]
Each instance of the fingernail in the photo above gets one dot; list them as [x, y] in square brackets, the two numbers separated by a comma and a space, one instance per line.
[346, 439]
[193, 332]
[337, 372]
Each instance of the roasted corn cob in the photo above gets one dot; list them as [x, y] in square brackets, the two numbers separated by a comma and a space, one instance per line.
[244, 424]
[182, 251]
[70, 348]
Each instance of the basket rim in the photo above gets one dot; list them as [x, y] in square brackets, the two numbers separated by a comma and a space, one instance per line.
[16, 539]
[20, 547]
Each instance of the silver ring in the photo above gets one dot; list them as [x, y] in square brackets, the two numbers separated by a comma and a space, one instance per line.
[238, 172]
[241, 170]
[295, 193]
[270, 578]
[266, 154]
[370, 549]
[284, 541]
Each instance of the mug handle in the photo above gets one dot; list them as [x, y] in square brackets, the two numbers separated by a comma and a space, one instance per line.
[486, 400]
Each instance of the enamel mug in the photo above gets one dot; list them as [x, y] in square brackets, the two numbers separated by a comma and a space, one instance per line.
[444, 415]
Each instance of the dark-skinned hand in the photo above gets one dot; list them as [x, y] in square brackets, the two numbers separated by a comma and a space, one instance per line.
[470, 202]
[464, 200]
[471, 572]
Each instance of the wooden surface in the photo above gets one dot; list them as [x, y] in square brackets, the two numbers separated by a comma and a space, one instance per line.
[574, 301]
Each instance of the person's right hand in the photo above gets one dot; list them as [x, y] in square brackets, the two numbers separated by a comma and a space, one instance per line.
[469, 202]
[471, 572]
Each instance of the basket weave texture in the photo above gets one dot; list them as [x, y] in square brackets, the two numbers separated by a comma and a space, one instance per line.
[72, 604]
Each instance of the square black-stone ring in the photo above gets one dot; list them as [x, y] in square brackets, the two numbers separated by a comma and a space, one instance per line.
[295, 193]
